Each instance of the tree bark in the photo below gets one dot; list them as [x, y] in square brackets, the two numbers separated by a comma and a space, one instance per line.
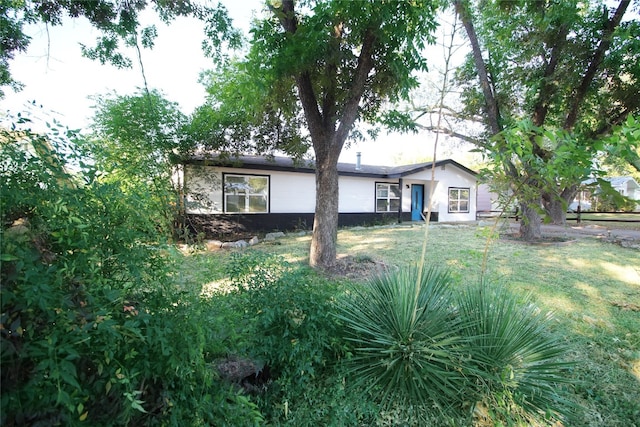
[491, 103]
[556, 205]
[531, 224]
[325, 223]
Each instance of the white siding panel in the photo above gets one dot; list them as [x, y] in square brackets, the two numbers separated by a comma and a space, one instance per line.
[204, 190]
[356, 194]
[293, 192]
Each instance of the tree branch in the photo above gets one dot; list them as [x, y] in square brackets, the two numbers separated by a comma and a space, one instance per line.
[596, 60]
[491, 103]
[541, 106]
[364, 67]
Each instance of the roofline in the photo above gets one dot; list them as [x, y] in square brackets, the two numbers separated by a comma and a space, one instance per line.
[344, 169]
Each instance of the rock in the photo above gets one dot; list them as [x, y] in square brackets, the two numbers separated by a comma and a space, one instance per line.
[254, 241]
[241, 244]
[228, 245]
[274, 235]
[213, 245]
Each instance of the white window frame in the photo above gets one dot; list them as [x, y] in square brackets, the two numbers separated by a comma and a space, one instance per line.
[248, 195]
[389, 197]
[458, 200]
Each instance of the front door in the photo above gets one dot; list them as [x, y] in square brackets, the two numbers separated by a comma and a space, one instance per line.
[417, 195]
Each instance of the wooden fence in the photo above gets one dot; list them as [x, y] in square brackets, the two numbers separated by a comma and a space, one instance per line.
[578, 217]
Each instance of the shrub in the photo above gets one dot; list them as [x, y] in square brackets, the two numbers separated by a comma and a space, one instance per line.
[433, 356]
[93, 329]
[294, 334]
[404, 339]
[515, 360]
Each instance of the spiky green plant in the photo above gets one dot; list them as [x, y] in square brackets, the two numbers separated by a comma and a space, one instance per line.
[515, 358]
[404, 346]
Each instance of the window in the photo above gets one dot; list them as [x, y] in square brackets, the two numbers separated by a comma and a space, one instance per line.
[459, 200]
[387, 197]
[246, 193]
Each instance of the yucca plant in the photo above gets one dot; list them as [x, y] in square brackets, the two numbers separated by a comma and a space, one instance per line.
[516, 361]
[404, 345]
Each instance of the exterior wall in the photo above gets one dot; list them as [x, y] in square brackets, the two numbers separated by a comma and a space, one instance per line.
[357, 194]
[289, 192]
[446, 176]
[292, 199]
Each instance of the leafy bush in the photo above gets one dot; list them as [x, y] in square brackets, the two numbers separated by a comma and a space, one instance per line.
[93, 329]
[288, 310]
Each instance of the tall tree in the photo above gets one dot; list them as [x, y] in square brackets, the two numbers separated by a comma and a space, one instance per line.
[552, 81]
[339, 61]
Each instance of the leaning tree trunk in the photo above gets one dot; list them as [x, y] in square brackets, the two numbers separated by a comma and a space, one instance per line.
[531, 225]
[325, 222]
[556, 205]
[557, 212]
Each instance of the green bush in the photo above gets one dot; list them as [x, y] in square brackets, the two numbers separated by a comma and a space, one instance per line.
[405, 342]
[515, 360]
[289, 312]
[94, 332]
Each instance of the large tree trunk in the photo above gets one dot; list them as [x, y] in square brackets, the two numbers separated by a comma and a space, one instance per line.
[531, 225]
[556, 205]
[325, 222]
[556, 209]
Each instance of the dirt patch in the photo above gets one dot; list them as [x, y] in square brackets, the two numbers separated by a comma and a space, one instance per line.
[543, 241]
[356, 268]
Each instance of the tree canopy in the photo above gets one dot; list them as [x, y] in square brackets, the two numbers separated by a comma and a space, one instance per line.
[338, 63]
[553, 81]
[118, 22]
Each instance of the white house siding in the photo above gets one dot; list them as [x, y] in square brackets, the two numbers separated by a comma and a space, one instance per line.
[289, 192]
[294, 192]
[357, 195]
[406, 193]
[446, 176]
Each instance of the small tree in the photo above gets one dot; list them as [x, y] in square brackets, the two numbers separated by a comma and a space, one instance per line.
[137, 140]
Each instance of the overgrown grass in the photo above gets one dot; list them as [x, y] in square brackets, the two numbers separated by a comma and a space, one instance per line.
[592, 287]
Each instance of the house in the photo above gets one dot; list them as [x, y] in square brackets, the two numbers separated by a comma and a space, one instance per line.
[625, 185]
[257, 193]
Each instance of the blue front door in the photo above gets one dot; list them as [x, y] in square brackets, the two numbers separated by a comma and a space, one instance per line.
[417, 195]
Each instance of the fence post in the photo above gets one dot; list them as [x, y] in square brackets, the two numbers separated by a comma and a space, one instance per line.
[579, 211]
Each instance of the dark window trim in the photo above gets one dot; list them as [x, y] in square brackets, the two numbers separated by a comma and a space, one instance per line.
[224, 198]
[449, 199]
[375, 198]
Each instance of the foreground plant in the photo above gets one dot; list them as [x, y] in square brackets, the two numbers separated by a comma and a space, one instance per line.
[515, 359]
[404, 345]
[428, 353]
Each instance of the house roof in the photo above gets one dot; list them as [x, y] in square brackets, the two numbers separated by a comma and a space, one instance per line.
[277, 163]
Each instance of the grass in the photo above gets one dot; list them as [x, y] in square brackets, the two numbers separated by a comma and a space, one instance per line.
[593, 287]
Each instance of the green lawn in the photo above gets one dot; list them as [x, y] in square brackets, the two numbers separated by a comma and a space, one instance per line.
[593, 288]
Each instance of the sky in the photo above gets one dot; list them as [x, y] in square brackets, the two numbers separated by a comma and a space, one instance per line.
[60, 83]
